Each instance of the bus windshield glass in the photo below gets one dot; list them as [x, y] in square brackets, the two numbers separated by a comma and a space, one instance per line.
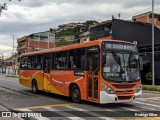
[121, 65]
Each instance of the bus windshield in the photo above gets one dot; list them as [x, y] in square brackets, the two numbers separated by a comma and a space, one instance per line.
[121, 66]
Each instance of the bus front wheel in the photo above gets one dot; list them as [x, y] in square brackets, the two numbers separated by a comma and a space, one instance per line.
[75, 94]
[34, 86]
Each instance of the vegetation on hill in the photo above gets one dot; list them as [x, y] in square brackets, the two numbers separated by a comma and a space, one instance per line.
[63, 43]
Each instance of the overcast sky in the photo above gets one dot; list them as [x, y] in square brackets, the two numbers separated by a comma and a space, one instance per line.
[31, 16]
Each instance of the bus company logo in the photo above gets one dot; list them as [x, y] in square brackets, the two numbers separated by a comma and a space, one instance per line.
[58, 73]
[124, 91]
[6, 114]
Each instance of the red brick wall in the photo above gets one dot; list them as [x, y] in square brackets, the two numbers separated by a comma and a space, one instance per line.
[145, 20]
[142, 19]
[40, 44]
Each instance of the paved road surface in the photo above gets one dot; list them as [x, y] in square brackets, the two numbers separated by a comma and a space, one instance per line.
[57, 107]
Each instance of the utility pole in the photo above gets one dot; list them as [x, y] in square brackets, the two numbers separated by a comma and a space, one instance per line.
[153, 67]
[13, 61]
[2, 63]
[13, 43]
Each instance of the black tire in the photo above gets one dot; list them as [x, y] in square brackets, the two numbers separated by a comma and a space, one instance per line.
[75, 94]
[34, 87]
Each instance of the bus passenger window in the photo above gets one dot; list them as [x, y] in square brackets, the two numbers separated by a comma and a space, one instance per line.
[39, 62]
[61, 60]
[24, 62]
[29, 62]
[76, 59]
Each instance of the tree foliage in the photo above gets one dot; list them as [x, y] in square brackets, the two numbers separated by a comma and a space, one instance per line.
[3, 6]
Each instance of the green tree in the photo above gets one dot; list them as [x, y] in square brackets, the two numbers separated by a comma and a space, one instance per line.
[148, 76]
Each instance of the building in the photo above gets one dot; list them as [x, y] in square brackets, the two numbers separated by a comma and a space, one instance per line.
[35, 41]
[84, 37]
[147, 18]
[138, 32]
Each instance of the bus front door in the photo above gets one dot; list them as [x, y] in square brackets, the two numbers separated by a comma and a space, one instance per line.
[93, 71]
[47, 76]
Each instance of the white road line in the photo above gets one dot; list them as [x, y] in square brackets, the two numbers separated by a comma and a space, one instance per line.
[130, 109]
[38, 118]
[152, 101]
[65, 114]
[107, 118]
[52, 109]
[90, 112]
[75, 108]
[146, 104]
[147, 108]
[75, 118]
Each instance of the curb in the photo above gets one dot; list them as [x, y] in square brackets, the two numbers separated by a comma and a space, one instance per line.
[8, 75]
[154, 92]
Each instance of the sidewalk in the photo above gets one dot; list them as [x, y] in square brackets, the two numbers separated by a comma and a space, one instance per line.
[9, 75]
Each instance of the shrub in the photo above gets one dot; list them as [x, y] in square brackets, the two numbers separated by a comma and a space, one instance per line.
[151, 88]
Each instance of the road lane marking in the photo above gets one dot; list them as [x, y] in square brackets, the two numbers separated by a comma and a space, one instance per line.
[76, 118]
[146, 108]
[75, 108]
[146, 104]
[45, 106]
[150, 98]
[150, 101]
[65, 114]
[90, 112]
[107, 118]
[130, 109]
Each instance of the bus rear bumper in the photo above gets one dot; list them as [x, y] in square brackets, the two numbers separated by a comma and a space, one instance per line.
[112, 98]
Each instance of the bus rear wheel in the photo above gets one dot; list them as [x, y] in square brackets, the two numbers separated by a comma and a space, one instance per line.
[34, 87]
[75, 94]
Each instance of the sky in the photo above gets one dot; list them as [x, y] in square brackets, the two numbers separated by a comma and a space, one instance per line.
[32, 16]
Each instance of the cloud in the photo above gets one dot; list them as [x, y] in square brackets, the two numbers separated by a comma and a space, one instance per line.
[28, 16]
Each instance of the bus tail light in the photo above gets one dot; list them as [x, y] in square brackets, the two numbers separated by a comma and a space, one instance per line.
[107, 89]
[139, 88]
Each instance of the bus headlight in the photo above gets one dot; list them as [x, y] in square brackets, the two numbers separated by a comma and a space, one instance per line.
[107, 89]
[139, 88]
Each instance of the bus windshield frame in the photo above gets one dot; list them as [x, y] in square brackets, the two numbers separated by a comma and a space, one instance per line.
[120, 64]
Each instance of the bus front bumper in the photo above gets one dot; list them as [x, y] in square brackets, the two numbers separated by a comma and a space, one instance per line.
[113, 98]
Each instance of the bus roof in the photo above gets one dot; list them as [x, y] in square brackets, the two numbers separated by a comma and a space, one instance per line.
[73, 46]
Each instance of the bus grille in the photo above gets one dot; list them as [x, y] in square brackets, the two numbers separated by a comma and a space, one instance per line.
[123, 86]
[124, 97]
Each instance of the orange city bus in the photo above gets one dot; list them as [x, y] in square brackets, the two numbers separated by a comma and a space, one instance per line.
[101, 71]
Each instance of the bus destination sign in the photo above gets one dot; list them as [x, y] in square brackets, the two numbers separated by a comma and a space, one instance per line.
[119, 46]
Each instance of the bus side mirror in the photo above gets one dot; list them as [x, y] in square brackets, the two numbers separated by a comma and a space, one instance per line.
[141, 63]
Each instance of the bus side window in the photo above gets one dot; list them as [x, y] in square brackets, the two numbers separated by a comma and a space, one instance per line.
[71, 63]
[33, 62]
[29, 62]
[39, 62]
[61, 60]
[23, 63]
[77, 59]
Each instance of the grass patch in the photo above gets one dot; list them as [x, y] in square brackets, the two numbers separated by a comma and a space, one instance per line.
[151, 88]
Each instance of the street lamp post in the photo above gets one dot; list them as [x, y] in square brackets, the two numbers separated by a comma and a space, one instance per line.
[13, 64]
[153, 67]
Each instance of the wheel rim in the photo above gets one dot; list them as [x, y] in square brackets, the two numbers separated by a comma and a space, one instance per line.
[34, 87]
[76, 93]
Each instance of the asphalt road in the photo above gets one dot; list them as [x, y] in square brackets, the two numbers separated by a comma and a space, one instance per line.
[51, 106]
